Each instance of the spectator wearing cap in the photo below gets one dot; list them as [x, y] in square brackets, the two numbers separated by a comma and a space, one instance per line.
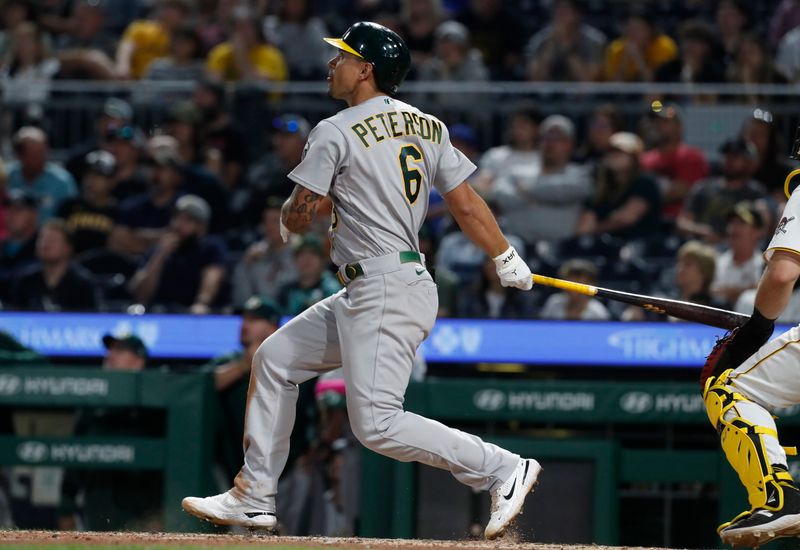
[224, 145]
[454, 59]
[520, 155]
[640, 51]
[267, 176]
[49, 182]
[268, 264]
[146, 40]
[113, 500]
[701, 57]
[260, 319]
[626, 201]
[115, 113]
[570, 305]
[90, 217]
[181, 142]
[143, 219]
[314, 282]
[740, 265]
[299, 33]
[546, 206]
[18, 248]
[182, 122]
[246, 56]
[54, 283]
[771, 168]
[677, 164]
[186, 268]
[131, 177]
[567, 48]
[185, 59]
[124, 352]
[711, 201]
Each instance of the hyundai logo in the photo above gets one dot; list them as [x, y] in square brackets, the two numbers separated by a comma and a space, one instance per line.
[489, 400]
[32, 451]
[636, 402]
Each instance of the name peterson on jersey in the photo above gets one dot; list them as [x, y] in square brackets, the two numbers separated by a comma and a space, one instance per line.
[378, 161]
[385, 125]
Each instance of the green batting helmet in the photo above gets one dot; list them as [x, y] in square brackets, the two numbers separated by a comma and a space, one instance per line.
[380, 46]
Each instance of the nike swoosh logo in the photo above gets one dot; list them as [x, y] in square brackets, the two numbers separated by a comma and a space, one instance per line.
[764, 513]
[419, 270]
[524, 477]
[256, 514]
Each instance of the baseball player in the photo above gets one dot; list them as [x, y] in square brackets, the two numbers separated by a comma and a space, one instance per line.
[376, 162]
[745, 380]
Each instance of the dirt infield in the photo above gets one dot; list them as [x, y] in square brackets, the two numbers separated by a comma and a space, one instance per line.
[62, 538]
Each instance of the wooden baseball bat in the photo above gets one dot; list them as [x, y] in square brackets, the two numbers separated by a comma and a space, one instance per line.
[687, 311]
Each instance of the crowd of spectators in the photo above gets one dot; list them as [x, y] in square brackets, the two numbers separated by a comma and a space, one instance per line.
[181, 215]
[263, 40]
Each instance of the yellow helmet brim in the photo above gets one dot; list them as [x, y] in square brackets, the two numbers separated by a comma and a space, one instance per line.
[342, 45]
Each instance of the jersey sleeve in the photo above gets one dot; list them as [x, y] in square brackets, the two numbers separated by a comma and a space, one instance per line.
[453, 168]
[787, 233]
[323, 157]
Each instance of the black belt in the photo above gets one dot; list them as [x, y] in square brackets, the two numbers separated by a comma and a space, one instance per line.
[354, 270]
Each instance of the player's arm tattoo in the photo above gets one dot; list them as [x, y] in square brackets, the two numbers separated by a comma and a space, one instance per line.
[299, 210]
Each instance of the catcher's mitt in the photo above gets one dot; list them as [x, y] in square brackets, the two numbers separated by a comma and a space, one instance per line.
[719, 360]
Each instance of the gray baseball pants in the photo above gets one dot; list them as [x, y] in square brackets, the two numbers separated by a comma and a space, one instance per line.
[372, 329]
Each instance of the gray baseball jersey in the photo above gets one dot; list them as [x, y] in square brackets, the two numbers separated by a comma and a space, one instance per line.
[377, 162]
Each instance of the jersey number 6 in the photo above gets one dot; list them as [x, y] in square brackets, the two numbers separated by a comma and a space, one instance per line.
[412, 178]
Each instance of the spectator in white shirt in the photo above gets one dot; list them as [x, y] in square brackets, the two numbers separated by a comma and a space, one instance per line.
[545, 204]
[739, 267]
[572, 306]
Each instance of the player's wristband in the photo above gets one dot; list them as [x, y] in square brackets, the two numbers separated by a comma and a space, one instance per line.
[505, 258]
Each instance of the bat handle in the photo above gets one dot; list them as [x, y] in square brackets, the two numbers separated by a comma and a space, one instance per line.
[569, 286]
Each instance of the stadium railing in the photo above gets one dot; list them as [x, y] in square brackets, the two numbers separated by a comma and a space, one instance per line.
[713, 112]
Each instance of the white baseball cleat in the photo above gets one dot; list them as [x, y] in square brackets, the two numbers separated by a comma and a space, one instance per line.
[226, 509]
[507, 500]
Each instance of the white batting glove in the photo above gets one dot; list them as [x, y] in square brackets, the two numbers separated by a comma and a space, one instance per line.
[512, 270]
[284, 232]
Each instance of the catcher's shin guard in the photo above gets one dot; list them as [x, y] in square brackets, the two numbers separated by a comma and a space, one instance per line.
[743, 444]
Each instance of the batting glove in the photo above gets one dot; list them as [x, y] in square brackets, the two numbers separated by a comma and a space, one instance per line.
[512, 270]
